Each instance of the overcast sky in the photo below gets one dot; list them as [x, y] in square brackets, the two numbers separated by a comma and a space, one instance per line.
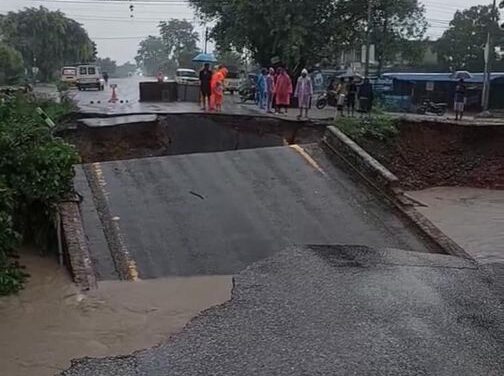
[117, 35]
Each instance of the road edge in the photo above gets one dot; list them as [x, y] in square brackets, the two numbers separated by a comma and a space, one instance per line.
[388, 185]
[77, 251]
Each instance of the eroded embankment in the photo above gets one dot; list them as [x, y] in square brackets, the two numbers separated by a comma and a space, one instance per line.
[186, 134]
[427, 154]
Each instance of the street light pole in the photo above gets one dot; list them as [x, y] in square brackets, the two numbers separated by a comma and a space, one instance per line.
[206, 39]
[368, 39]
[485, 97]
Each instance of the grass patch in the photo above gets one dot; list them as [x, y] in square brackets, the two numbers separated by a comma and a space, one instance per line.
[380, 127]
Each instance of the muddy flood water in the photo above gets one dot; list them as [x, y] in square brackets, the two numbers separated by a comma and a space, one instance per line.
[474, 218]
[51, 322]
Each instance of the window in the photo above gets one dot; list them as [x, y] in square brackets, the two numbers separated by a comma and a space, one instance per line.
[91, 70]
[83, 70]
[69, 72]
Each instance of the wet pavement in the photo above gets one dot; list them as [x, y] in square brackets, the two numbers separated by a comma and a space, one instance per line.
[336, 311]
[217, 213]
[474, 218]
[97, 102]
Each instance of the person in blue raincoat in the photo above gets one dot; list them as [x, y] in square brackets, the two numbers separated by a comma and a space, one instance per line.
[262, 88]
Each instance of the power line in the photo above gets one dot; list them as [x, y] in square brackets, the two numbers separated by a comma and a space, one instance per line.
[117, 2]
[119, 38]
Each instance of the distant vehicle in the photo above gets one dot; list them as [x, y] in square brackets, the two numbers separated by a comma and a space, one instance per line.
[89, 77]
[69, 75]
[186, 76]
[247, 89]
[232, 82]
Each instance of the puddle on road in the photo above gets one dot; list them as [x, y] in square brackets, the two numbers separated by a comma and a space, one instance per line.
[51, 322]
[473, 217]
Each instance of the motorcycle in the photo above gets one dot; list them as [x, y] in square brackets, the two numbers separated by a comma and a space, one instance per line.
[434, 108]
[247, 93]
[325, 98]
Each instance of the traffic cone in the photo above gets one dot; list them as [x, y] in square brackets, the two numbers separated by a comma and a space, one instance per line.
[114, 98]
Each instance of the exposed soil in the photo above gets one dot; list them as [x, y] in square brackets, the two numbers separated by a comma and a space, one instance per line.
[434, 154]
[185, 134]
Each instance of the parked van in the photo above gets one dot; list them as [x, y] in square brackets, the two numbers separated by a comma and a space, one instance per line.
[232, 82]
[69, 75]
[88, 76]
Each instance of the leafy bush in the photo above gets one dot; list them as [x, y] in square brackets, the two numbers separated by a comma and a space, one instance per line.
[11, 65]
[36, 171]
[381, 127]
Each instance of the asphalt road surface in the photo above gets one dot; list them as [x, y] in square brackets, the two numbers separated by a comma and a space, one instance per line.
[217, 213]
[336, 311]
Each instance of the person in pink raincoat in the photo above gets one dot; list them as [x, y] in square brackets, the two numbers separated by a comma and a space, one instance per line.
[283, 90]
[270, 90]
[304, 93]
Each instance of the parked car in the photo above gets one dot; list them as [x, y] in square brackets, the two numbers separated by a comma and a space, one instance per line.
[69, 75]
[89, 77]
[186, 76]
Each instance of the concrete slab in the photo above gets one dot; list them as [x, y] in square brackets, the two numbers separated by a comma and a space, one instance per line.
[216, 213]
[337, 311]
[118, 120]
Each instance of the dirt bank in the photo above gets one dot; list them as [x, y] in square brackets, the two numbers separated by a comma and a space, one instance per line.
[440, 154]
[50, 322]
[186, 134]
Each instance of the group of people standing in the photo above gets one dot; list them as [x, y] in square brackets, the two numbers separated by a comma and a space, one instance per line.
[274, 90]
[212, 87]
[345, 94]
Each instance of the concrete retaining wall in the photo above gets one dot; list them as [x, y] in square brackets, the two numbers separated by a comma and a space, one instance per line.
[388, 184]
[79, 260]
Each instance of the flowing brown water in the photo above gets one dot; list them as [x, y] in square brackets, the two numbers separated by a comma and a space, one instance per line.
[472, 217]
[51, 322]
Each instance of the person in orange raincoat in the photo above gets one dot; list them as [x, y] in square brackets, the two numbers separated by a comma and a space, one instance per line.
[217, 86]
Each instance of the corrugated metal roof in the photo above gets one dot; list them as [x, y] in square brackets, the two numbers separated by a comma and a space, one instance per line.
[439, 77]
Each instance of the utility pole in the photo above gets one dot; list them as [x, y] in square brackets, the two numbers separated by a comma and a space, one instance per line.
[206, 39]
[368, 39]
[489, 50]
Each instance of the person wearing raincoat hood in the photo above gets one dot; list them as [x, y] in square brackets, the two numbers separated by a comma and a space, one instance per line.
[304, 93]
[217, 86]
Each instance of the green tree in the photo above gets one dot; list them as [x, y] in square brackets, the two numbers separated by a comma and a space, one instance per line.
[11, 64]
[180, 41]
[462, 45]
[395, 24]
[151, 56]
[306, 32]
[296, 32]
[176, 47]
[125, 70]
[229, 57]
[46, 39]
[107, 65]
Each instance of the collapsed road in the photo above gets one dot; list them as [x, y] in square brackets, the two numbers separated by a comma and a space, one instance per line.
[211, 195]
[194, 194]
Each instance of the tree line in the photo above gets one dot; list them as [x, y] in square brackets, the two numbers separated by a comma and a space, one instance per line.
[37, 37]
[308, 32]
